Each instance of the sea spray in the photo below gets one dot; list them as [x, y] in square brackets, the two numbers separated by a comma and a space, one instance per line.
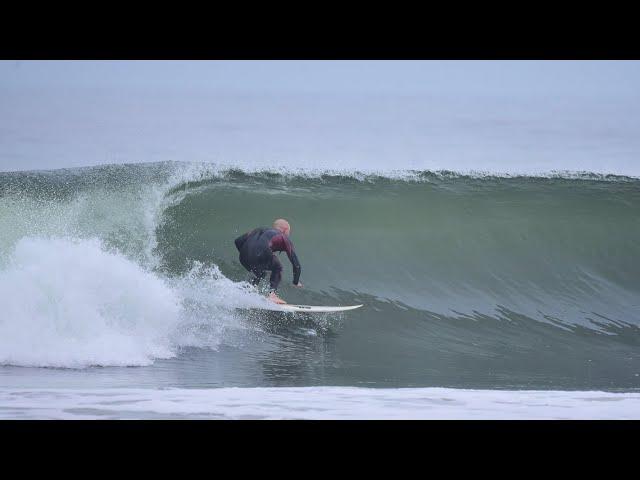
[71, 303]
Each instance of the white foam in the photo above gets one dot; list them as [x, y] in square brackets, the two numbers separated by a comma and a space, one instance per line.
[316, 403]
[71, 303]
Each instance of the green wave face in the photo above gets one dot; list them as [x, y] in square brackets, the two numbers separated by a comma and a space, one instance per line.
[563, 248]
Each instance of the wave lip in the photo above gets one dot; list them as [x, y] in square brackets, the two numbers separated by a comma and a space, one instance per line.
[202, 172]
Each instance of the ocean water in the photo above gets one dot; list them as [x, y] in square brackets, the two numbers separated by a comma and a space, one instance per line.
[469, 282]
[495, 247]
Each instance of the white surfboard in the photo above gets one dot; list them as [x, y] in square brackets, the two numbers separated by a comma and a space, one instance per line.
[313, 308]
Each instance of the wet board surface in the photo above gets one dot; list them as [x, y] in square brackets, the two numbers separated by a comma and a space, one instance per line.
[312, 308]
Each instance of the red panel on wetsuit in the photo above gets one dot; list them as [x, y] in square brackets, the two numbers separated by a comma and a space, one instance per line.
[280, 243]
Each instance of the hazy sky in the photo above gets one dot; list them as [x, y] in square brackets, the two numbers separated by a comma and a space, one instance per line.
[520, 78]
[501, 116]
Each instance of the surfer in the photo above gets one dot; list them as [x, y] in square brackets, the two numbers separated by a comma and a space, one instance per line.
[257, 255]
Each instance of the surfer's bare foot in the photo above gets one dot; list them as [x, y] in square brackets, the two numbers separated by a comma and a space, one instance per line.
[276, 299]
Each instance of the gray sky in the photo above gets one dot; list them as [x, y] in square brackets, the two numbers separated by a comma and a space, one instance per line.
[518, 78]
[499, 116]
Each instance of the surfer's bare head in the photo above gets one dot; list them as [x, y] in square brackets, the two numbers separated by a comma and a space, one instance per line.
[282, 225]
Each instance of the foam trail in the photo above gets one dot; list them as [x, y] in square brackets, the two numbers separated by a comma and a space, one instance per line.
[316, 403]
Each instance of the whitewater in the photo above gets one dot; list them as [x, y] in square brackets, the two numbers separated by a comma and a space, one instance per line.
[317, 403]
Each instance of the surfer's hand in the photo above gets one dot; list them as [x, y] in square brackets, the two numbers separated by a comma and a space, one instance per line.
[299, 285]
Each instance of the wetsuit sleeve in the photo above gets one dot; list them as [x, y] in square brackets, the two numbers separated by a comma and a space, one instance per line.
[293, 258]
[241, 239]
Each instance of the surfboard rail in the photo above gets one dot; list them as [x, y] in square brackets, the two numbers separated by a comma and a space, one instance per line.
[307, 308]
[313, 308]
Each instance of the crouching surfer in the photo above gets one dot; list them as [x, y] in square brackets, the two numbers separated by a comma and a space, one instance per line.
[257, 254]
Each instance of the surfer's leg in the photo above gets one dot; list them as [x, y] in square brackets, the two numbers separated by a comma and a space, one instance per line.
[255, 256]
[276, 273]
[257, 270]
[244, 261]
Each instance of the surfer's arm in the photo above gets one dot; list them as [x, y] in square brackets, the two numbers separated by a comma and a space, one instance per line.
[297, 269]
[293, 258]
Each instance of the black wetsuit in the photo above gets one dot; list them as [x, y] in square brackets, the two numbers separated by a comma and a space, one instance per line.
[257, 255]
